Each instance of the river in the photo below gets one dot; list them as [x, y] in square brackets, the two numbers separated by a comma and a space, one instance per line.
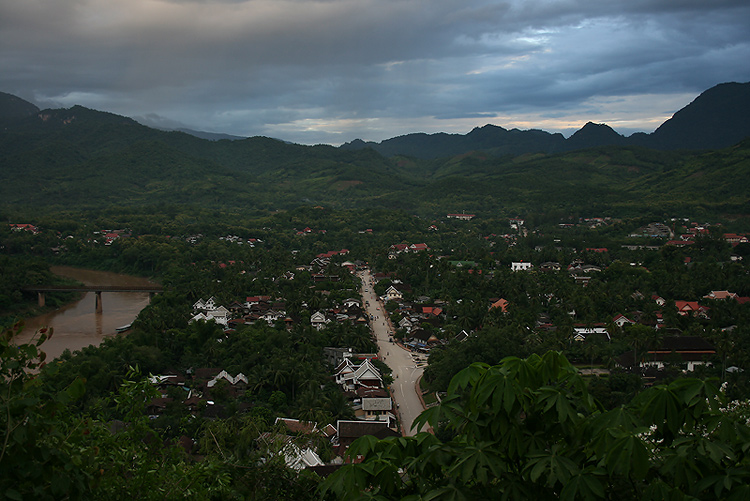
[78, 325]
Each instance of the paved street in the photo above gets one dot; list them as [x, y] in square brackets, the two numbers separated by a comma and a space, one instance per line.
[401, 361]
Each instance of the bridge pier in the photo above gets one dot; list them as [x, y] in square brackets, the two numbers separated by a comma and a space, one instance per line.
[41, 290]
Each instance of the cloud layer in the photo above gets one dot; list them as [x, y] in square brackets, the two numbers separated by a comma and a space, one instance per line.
[333, 70]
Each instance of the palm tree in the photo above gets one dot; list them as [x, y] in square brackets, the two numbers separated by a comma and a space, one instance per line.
[638, 337]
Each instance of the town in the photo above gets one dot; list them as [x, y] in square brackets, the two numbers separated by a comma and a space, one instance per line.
[321, 348]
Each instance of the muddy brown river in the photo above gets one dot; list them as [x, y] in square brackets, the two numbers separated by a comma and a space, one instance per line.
[78, 325]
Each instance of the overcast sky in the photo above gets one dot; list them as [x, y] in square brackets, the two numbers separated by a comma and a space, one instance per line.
[329, 71]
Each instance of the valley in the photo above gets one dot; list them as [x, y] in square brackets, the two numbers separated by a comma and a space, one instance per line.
[564, 322]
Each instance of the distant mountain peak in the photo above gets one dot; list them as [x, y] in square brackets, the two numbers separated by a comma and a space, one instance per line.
[593, 132]
[14, 108]
[718, 117]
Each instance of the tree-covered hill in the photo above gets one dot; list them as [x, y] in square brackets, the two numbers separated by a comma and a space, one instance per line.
[79, 158]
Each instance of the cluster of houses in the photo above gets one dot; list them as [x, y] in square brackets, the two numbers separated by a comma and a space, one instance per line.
[463, 216]
[308, 231]
[589, 222]
[254, 309]
[687, 234]
[105, 236]
[109, 236]
[405, 248]
[252, 242]
[362, 384]
[323, 259]
[736, 239]
[578, 269]
[195, 389]
[24, 227]
[690, 351]
[271, 311]
[350, 310]
[596, 222]
[264, 308]
[295, 440]
[298, 441]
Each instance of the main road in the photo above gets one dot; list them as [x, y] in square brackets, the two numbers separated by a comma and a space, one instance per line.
[402, 362]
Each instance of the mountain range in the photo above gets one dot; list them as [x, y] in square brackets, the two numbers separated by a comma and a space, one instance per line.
[717, 118]
[78, 158]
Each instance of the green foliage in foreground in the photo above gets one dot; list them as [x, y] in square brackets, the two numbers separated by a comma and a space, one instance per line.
[528, 429]
[50, 452]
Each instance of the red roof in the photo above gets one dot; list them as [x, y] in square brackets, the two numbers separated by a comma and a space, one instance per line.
[502, 304]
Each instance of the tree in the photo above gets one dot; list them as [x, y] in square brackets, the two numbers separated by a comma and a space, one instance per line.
[41, 455]
[528, 429]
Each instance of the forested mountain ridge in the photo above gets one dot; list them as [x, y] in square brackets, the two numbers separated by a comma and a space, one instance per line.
[718, 118]
[82, 158]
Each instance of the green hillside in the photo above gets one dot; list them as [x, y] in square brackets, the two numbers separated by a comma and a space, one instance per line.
[85, 159]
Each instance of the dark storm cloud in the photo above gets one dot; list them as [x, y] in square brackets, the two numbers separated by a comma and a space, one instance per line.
[330, 71]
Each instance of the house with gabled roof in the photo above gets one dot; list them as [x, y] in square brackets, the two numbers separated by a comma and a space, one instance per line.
[319, 320]
[392, 294]
[621, 320]
[581, 332]
[691, 350]
[686, 308]
[295, 447]
[201, 304]
[297, 427]
[550, 266]
[734, 238]
[352, 376]
[273, 316]
[720, 295]
[406, 323]
[521, 266]
[348, 431]
[422, 337]
[219, 315]
[239, 379]
[352, 302]
[345, 367]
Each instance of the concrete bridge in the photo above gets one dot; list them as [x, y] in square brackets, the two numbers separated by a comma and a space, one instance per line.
[97, 289]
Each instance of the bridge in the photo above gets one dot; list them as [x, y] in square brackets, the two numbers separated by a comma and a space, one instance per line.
[97, 289]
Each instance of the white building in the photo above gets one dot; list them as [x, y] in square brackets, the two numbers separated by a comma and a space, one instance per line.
[520, 266]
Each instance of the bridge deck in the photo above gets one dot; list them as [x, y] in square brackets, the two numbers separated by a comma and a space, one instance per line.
[95, 288]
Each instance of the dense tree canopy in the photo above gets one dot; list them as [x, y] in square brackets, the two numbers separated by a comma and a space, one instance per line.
[529, 429]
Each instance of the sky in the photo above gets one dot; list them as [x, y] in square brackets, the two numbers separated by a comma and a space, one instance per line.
[330, 71]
